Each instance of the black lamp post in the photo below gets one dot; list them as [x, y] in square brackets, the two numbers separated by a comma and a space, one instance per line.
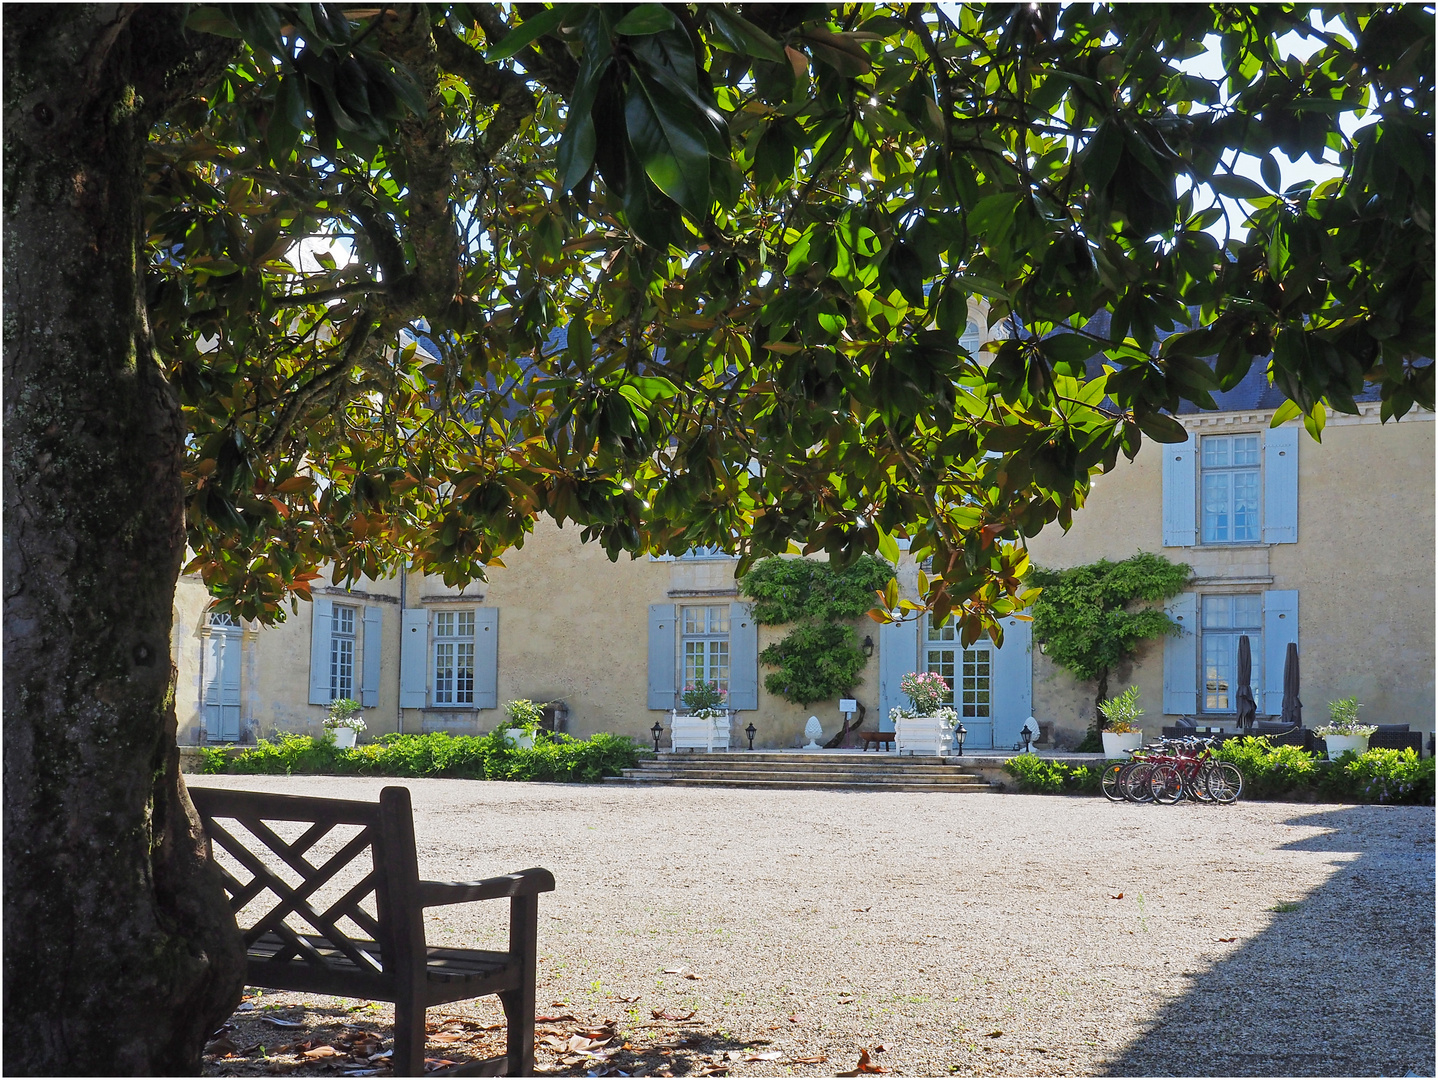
[1028, 734]
[656, 731]
[751, 730]
[959, 732]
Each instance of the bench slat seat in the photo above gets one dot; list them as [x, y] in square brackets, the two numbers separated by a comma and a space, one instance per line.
[393, 962]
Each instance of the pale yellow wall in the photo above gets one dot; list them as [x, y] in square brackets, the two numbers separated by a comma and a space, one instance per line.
[191, 600]
[1363, 567]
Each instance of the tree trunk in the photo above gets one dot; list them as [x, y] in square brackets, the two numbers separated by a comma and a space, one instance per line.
[1099, 722]
[120, 952]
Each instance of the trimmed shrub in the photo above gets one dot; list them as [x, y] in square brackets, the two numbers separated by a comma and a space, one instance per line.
[1380, 776]
[1043, 776]
[1270, 772]
[488, 757]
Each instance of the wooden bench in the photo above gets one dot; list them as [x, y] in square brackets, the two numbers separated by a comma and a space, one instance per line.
[389, 960]
[878, 739]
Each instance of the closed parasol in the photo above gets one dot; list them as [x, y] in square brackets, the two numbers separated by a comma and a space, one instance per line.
[1247, 708]
[1292, 707]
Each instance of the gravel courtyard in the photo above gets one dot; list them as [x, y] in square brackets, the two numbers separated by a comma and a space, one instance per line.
[942, 934]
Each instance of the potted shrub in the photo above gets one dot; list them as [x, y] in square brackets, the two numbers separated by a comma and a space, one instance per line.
[927, 725]
[344, 723]
[1121, 732]
[1343, 732]
[521, 725]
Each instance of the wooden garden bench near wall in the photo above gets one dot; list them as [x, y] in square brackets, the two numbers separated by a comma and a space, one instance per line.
[388, 959]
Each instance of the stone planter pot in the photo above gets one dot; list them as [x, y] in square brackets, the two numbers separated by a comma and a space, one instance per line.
[1338, 744]
[520, 740]
[1117, 746]
[344, 737]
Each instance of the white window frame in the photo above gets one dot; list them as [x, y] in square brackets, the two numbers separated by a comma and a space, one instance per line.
[1209, 639]
[969, 672]
[710, 642]
[343, 647]
[452, 658]
[1230, 472]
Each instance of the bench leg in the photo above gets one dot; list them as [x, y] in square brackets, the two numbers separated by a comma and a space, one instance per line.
[519, 1002]
[409, 1037]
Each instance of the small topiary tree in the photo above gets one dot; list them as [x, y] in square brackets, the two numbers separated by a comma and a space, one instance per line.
[1092, 618]
[820, 659]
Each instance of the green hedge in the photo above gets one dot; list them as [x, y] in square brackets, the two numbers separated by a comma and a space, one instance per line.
[1269, 772]
[487, 757]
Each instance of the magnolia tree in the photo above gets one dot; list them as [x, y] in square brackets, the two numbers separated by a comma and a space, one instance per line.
[761, 227]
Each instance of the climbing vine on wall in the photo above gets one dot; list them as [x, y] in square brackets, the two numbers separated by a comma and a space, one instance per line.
[819, 659]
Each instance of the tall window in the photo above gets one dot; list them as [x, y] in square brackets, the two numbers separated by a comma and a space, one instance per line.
[1225, 620]
[1230, 489]
[705, 642]
[342, 653]
[454, 657]
[971, 693]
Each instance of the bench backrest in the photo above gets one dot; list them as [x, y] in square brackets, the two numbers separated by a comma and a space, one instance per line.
[305, 942]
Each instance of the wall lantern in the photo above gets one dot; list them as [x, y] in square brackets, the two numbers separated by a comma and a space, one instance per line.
[656, 731]
[868, 645]
[751, 731]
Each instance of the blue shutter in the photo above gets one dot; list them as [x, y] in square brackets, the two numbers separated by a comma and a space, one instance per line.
[221, 678]
[1180, 504]
[1280, 486]
[662, 681]
[1280, 626]
[743, 658]
[373, 644]
[1013, 682]
[1180, 658]
[324, 613]
[898, 653]
[486, 658]
[414, 659]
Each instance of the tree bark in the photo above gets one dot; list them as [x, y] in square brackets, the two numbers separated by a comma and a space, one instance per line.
[1099, 721]
[120, 951]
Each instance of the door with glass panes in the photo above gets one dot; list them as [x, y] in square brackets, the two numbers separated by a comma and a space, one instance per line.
[220, 678]
[969, 674]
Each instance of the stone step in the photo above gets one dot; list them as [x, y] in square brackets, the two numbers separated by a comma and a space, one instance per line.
[798, 775]
[969, 787]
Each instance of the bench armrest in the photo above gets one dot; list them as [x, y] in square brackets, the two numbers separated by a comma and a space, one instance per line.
[522, 883]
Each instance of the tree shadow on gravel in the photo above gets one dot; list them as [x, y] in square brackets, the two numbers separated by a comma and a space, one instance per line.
[1267, 1010]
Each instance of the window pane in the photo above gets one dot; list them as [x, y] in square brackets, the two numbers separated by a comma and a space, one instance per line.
[342, 667]
[694, 620]
[941, 631]
[1219, 664]
[444, 673]
[464, 624]
[941, 662]
[1216, 511]
[718, 620]
[1245, 450]
[1216, 451]
[694, 663]
[1248, 610]
[1218, 611]
[464, 670]
[1245, 505]
[974, 696]
[719, 664]
[344, 619]
[444, 624]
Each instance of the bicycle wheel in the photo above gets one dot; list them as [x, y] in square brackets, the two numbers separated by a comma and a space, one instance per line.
[1110, 783]
[1225, 782]
[1135, 783]
[1197, 784]
[1167, 784]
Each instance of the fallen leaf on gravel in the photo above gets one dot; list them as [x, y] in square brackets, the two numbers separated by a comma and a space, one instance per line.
[864, 1066]
[1118, 897]
[665, 1014]
[768, 1055]
[431, 1064]
[713, 1070]
[244, 1006]
[628, 1000]
[321, 1052]
[446, 1038]
[817, 1059]
[673, 971]
[691, 975]
[1226, 939]
[605, 1033]
[220, 1047]
[547, 1020]
[863, 908]
[993, 1034]
[794, 1019]
[282, 1023]
[881, 1048]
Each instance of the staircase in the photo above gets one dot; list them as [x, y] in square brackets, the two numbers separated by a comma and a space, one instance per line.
[834, 770]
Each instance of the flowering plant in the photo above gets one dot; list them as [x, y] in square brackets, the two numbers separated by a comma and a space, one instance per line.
[342, 714]
[925, 691]
[704, 699]
[1122, 712]
[1343, 720]
[945, 714]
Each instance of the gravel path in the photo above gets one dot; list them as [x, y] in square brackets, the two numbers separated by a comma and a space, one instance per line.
[965, 934]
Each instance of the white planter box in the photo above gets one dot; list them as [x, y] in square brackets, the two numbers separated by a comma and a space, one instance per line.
[923, 735]
[344, 737]
[708, 733]
[1338, 744]
[1118, 745]
[519, 740]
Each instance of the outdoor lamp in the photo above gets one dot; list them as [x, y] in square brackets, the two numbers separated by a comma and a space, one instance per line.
[1028, 734]
[656, 731]
[959, 732]
[868, 645]
[750, 731]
